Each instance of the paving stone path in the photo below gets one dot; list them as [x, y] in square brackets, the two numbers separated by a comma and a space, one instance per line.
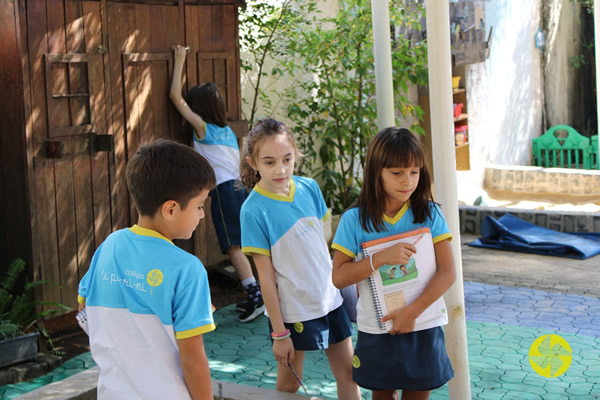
[502, 323]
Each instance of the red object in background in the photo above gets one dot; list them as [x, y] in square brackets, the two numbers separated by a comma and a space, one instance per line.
[458, 109]
[460, 134]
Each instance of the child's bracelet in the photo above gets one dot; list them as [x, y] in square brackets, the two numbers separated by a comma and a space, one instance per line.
[280, 336]
[371, 262]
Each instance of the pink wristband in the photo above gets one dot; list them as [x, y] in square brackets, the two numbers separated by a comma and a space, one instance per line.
[285, 333]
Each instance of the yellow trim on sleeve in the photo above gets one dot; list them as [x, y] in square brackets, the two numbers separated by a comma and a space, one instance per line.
[257, 250]
[195, 332]
[80, 300]
[327, 215]
[196, 136]
[347, 252]
[445, 236]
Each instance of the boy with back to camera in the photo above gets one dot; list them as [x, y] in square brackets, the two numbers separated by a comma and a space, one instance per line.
[148, 301]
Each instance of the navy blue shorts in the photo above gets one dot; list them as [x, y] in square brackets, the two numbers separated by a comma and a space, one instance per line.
[319, 333]
[226, 202]
[412, 361]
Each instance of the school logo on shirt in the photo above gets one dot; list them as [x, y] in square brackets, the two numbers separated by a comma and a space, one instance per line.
[308, 227]
[154, 278]
[298, 327]
[355, 361]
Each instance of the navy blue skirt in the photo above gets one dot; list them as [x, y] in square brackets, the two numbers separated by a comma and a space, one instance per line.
[319, 333]
[412, 361]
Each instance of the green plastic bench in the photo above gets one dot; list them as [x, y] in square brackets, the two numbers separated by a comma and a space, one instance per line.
[572, 151]
[594, 153]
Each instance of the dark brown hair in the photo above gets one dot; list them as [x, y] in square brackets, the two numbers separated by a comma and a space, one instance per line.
[392, 148]
[166, 170]
[262, 129]
[206, 101]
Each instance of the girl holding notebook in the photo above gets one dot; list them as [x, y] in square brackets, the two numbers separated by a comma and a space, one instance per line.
[282, 228]
[395, 198]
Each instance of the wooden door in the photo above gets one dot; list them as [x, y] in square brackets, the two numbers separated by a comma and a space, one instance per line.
[69, 141]
[141, 39]
[96, 81]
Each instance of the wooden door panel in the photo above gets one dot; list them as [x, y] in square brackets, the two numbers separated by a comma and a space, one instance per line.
[211, 34]
[121, 39]
[102, 165]
[43, 209]
[219, 67]
[70, 194]
[146, 78]
[75, 219]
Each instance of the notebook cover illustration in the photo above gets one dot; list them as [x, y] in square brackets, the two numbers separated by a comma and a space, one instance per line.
[396, 286]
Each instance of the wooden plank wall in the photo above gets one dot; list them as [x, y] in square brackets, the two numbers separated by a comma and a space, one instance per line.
[15, 232]
[41, 169]
[77, 200]
[102, 163]
[71, 196]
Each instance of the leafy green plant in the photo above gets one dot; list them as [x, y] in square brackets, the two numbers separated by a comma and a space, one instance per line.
[21, 313]
[334, 114]
[264, 27]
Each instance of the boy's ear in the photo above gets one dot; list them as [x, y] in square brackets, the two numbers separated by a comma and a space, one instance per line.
[168, 208]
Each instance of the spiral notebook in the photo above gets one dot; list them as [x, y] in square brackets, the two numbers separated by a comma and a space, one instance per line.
[396, 286]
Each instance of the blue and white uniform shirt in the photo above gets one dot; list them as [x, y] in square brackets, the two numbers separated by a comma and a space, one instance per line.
[142, 293]
[289, 229]
[349, 236]
[220, 148]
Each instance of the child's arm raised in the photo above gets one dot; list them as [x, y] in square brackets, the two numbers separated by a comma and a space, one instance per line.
[444, 277]
[346, 271]
[175, 94]
[283, 349]
[194, 364]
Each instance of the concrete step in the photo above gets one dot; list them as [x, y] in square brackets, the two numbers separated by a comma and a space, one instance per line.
[82, 386]
[536, 182]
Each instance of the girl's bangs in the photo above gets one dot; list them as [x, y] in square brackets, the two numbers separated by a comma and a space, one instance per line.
[402, 155]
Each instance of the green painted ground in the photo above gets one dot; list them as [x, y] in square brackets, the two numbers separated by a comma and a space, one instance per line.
[498, 360]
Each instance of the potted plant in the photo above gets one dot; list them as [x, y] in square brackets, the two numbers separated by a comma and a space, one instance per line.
[334, 114]
[20, 317]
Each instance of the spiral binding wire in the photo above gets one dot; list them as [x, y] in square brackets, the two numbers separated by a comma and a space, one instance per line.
[376, 302]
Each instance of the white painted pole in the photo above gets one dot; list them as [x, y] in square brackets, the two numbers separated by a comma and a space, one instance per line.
[597, 49]
[382, 49]
[444, 172]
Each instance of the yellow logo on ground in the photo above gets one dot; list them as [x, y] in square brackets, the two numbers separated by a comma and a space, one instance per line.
[550, 356]
[298, 327]
[355, 361]
[154, 278]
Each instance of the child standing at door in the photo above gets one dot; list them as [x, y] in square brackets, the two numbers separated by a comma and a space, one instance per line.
[282, 228]
[205, 111]
[395, 197]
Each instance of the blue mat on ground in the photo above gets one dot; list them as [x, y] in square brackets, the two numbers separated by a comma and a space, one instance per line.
[514, 234]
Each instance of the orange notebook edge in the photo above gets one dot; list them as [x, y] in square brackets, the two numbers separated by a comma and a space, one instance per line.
[412, 232]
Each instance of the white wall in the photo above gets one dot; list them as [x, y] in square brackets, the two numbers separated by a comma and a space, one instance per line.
[504, 93]
[276, 85]
[563, 103]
